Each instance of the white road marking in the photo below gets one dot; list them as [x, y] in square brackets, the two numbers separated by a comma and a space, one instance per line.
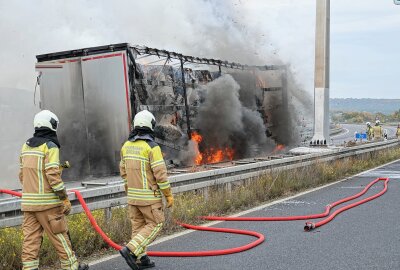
[167, 238]
[340, 134]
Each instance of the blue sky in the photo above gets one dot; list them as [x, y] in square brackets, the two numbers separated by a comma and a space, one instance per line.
[365, 36]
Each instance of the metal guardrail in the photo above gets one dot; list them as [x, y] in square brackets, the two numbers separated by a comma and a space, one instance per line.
[112, 193]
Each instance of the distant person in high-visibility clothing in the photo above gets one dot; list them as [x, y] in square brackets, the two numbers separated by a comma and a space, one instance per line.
[369, 131]
[398, 131]
[378, 131]
[44, 198]
[144, 172]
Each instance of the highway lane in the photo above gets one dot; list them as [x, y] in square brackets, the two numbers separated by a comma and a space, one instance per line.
[351, 129]
[366, 237]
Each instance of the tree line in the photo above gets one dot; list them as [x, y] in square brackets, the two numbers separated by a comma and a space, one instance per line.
[363, 117]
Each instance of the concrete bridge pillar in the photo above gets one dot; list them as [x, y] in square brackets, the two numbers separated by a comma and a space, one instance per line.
[321, 79]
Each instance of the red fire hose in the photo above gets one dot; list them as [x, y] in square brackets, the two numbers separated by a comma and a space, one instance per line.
[313, 216]
[260, 237]
[309, 225]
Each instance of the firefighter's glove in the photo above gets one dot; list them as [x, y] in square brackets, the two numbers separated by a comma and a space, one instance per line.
[168, 196]
[67, 206]
[126, 188]
[62, 194]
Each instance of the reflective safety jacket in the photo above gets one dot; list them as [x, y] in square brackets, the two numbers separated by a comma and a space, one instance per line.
[378, 132]
[398, 132]
[40, 177]
[370, 131]
[143, 169]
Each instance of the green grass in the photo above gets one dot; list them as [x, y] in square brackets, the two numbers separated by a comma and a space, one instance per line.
[190, 205]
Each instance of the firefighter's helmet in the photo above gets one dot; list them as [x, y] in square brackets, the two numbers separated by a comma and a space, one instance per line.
[368, 123]
[144, 119]
[47, 119]
[377, 122]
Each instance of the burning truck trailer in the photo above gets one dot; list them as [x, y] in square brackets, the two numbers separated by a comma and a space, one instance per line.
[206, 110]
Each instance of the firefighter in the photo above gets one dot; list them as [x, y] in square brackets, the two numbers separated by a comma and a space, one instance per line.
[369, 131]
[377, 131]
[44, 198]
[398, 131]
[144, 172]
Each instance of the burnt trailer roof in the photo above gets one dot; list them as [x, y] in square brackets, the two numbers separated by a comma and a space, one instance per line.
[81, 52]
[143, 50]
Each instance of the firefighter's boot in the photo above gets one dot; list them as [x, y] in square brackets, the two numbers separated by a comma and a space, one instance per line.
[145, 262]
[129, 257]
[83, 266]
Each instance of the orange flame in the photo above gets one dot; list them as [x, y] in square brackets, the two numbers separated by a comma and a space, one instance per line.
[211, 155]
[278, 148]
[196, 137]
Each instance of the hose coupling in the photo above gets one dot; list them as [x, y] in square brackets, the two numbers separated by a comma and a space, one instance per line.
[309, 226]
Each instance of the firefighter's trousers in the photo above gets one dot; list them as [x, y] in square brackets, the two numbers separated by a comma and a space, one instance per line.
[33, 226]
[147, 222]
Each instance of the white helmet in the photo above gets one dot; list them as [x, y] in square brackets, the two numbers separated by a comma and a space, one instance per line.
[47, 119]
[377, 122]
[144, 119]
[368, 123]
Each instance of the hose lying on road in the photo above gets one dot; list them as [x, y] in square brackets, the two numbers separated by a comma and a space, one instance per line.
[309, 225]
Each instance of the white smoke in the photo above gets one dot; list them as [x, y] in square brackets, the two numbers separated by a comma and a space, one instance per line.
[251, 32]
[16, 115]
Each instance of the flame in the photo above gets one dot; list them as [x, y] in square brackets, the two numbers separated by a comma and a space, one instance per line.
[196, 137]
[211, 155]
[278, 148]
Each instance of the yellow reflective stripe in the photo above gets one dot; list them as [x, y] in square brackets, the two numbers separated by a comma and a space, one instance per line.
[31, 263]
[27, 202]
[164, 185]
[143, 245]
[58, 187]
[39, 203]
[141, 238]
[134, 157]
[145, 192]
[71, 257]
[157, 163]
[53, 164]
[39, 199]
[144, 176]
[40, 175]
[141, 190]
[142, 198]
[134, 243]
[65, 264]
[44, 195]
[33, 153]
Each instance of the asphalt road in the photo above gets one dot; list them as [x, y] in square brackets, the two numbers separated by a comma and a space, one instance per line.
[366, 237]
[350, 129]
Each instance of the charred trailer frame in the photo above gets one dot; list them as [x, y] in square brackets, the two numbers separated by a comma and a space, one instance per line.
[96, 92]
